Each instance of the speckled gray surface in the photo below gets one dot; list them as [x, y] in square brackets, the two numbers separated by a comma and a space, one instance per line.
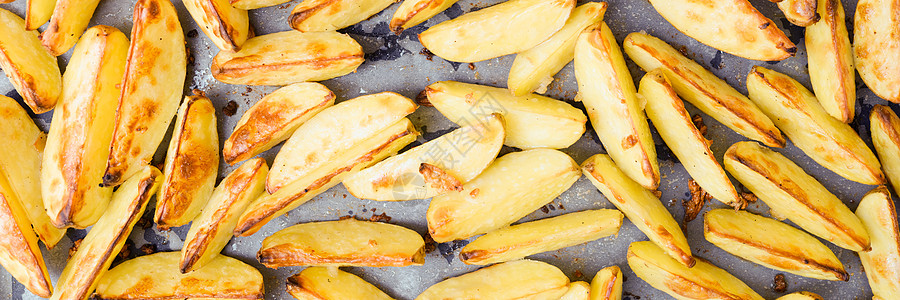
[394, 63]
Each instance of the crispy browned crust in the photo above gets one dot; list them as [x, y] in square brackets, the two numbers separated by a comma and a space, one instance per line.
[439, 179]
[611, 285]
[691, 289]
[297, 17]
[888, 120]
[34, 100]
[800, 12]
[13, 239]
[286, 255]
[240, 68]
[831, 18]
[225, 30]
[396, 24]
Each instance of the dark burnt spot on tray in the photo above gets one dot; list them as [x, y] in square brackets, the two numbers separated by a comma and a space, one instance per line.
[448, 249]
[427, 53]
[430, 244]
[148, 249]
[380, 44]
[383, 217]
[230, 108]
[716, 62]
[192, 34]
[779, 285]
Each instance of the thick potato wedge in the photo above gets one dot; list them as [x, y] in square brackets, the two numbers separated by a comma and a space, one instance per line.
[702, 281]
[31, 70]
[640, 206]
[38, 12]
[532, 121]
[882, 263]
[274, 118]
[151, 89]
[320, 283]
[829, 142]
[521, 279]
[800, 12]
[156, 277]
[226, 26]
[700, 87]
[802, 295]
[772, 244]
[506, 28]
[607, 284]
[192, 163]
[107, 237]
[214, 227]
[513, 186]
[330, 15]
[288, 57]
[876, 50]
[885, 127]
[544, 235]
[790, 192]
[69, 20]
[433, 168]
[533, 69]
[414, 12]
[578, 290]
[254, 4]
[19, 252]
[830, 60]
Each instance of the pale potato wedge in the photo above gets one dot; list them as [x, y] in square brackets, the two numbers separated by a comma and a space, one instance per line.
[226, 26]
[78, 143]
[532, 121]
[772, 244]
[19, 252]
[885, 127]
[38, 12]
[702, 281]
[192, 163]
[830, 60]
[802, 295]
[506, 28]
[274, 118]
[156, 277]
[151, 89]
[794, 194]
[639, 205]
[414, 12]
[881, 264]
[578, 290]
[69, 20]
[289, 57]
[521, 279]
[254, 4]
[703, 89]
[829, 142]
[521, 240]
[607, 284]
[533, 69]
[800, 12]
[214, 227]
[436, 167]
[330, 15]
[320, 283]
[31, 70]
[511, 187]
[876, 49]
[107, 237]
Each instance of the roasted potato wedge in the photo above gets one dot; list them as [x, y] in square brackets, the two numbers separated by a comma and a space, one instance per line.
[107, 237]
[876, 51]
[830, 60]
[640, 206]
[882, 263]
[702, 281]
[414, 12]
[518, 241]
[800, 12]
[790, 192]
[578, 290]
[511, 187]
[521, 279]
[226, 26]
[330, 15]
[801, 296]
[506, 28]
[607, 284]
[254, 4]
[31, 70]
[829, 142]
[19, 252]
[533, 69]
[151, 89]
[320, 283]
[69, 20]
[38, 12]
[885, 127]
[192, 163]
[274, 118]
[157, 277]
[532, 121]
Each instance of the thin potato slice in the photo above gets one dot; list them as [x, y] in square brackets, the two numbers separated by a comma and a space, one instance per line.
[226, 26]
[330, 15]
[882, 263]
[320, 283]
[876, 49]
[513, 186]
[885, 126]
[830, 60]
[521, 279]
[254, 4]
[69, 20]
[19, 252]
[607, 284]
[414, 12]
[506, 28]
[802, 295]
[578, 290]
[800, 12]
[38, 12]
[31, 70]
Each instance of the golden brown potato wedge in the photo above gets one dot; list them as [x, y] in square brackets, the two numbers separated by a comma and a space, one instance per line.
[506, 28]
[330, 15]
[38, 12]
[829, 142]
[532, 121]
[19, 252]
[192, 163]
[882, 263]
[151, 89]
[226, 26]
[578, 290]
[414, 12]
[320, 283]
[800, 12]
[802, 295]
[31, 70]
[830, 59]
[640, 205]
[876, 51]
[511, 187]
[521, 240]
[274, 118]
[794, 194]
[885, 127]
[607, 284]
[533, 69]
[157, 277]
[254, 4]
[521, 279]
[69, 20]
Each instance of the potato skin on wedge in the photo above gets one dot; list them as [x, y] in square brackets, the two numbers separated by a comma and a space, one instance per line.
[511, 280]
[885, 127]
[31, 70]
[254, 4]
[414, 12]
[226, 26]
[37, 13]
[876, 50]
[320, 283]
[69, 20]
[330, 15]
[607, 284]
[578, 290]
[882, 262]
[830, 60]
[19, 252]
[800, 12]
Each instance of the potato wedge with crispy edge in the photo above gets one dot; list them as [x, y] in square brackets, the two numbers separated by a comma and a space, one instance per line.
[521, 279]
[639, 205]
[829, 142]
[506, 28]
[418, 173]
[882, 263]
[510, 188]
[226, 26]
[156, 277]
[772, 244]
[31, 70]
[885, 127]
[802, 295]
[800, 12]
[107, 237]
[69, 20]
[830, 60]
[414, 12]
[38, 12]
[289, 57]
[254, 4]
[19, 252]
[578, 290]
[214, 227]
[532, 121]
[192, 164]
[320, 283]
[78, 143]
[876, 50]
[521, 240]
[533, 69]
[607, 284]
[791, 192]
[151, 89]
[330, 15]
[274, 118]
[703, 89]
